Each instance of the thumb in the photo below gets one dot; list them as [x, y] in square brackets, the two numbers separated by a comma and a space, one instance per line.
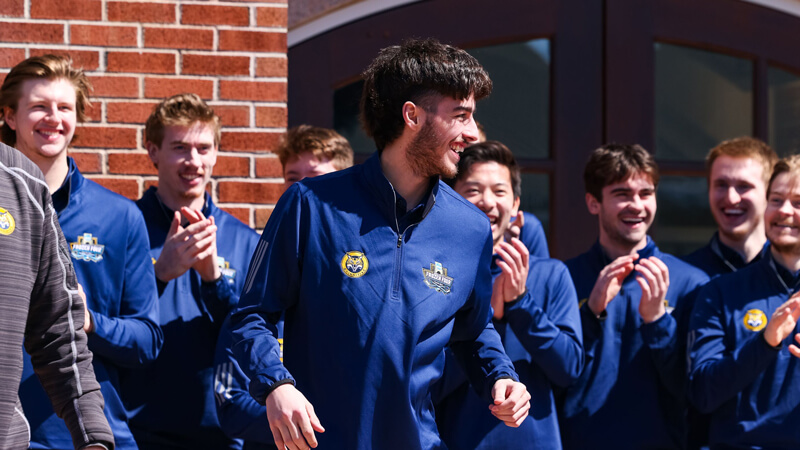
[315, 423]
[520, 219]
[499, 392]
[176, 223]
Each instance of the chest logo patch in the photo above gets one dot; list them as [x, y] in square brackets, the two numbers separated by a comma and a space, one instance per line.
[7, 223]
[354, 264]
[755, 320]
[87, 248]
[225, 268]
[436, 278]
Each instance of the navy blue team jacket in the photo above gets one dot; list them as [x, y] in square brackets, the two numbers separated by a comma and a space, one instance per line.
[542, 335]
[750, 388]
[240, 416]
[532, 235]
[716, 258]
[632, 389]
[108, 244]
[371, 298]
[172, 400]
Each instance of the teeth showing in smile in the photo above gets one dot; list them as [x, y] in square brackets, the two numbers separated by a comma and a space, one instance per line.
[456, 148]
[190, 177]
[733, 211]
[49, 133]
[633, 220]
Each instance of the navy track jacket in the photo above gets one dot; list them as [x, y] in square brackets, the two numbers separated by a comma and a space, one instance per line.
[172, 400]
[541, 333]
[715, 258]
[370, 305]
[632, 389]
[750, 388]
[108, 248]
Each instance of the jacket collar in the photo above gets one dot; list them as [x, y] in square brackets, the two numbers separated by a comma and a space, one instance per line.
[730, 257]
[72, 184]
[386, 196]
[788, 280]
[153, 202]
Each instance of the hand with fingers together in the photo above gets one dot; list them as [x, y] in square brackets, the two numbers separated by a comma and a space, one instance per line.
[653, 278]
[609, 282]
[207, 267]
[512, 401]
[783, 322]
[292, 419]
[190, 247]
[515, 229]
[511, 283]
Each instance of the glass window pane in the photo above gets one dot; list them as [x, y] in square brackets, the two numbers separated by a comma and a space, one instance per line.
[702, 98]
[535, 197]
[517, 113]
[683, 221]
[784, 111]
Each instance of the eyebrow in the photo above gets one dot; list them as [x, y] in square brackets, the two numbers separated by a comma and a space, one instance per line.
[464, 108]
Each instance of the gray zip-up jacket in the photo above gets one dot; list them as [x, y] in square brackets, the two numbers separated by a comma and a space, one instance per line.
[40, 305]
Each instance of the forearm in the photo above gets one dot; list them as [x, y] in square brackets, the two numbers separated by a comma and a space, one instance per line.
[126, 341]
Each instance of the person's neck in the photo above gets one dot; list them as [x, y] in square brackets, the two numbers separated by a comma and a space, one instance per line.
[175, 201]
[615, 249]
[55, 169]
[788, 259]
[395, 168]
[750, 246]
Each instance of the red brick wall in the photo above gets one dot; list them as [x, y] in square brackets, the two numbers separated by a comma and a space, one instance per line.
[231, 53]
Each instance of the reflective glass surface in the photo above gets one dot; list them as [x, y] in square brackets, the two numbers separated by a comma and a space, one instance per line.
[683, 221]
[784, 111]
[702, 98]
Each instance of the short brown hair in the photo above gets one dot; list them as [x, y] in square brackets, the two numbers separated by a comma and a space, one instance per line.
[489, 151]
[324, 143]
[419, 70]
[789, 165]
[744, 147]
[45, 67]
[612, 163]
[181, 110]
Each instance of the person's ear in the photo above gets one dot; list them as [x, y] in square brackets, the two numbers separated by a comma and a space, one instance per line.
[592, 204]
[10, 118]
[413, 115]
[152, 152]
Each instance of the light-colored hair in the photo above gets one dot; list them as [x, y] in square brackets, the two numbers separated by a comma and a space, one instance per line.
[744, 147]
[789, 165]
[324, 143]
[46, 67]
[181, 110]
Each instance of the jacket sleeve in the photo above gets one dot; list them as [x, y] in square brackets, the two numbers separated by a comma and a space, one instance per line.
[55, 340]
[272, 286]
[718, 373]
[475, 342]
[666, 339]
[553, 337]
[133, 338]
[240, 416]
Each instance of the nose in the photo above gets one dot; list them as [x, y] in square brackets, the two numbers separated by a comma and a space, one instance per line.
[732, 196]
[194, 157]
[786, 208]
[487, 202]
[471, 133]
[636, 204]
[51, 113]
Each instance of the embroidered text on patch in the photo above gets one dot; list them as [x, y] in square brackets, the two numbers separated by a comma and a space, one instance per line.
[87, 248]
[436, 278]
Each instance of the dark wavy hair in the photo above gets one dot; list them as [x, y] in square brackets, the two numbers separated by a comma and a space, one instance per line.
[489, 151]
[419, 70]
[613, 163]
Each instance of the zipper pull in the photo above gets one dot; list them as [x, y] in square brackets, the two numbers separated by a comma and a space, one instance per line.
[399, 240]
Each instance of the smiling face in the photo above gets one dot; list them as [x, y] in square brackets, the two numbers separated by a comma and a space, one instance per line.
[488, 186]
[447, 130]
[782, 216]
[737, 196]
[185, 161]
[625, 213]
[305, 165]
[45, 119]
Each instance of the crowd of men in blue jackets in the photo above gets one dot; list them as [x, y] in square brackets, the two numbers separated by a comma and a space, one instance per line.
[381, 309]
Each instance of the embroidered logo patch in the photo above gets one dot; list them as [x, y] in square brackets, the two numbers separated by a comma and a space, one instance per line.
[354, 264]
[225, 268]
[87, 248]
[7, 223]
[755, 320]
[436, 278]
